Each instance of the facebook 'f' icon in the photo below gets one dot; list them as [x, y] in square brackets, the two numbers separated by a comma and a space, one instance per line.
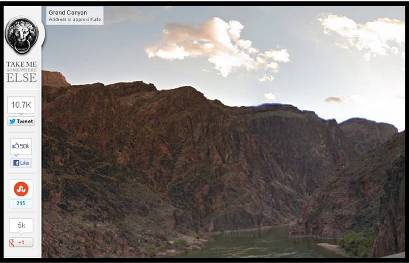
[16, 163]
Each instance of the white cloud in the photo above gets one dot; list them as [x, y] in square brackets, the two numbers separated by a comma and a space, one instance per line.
[383, 36]
[278, 55]
[266, 78]
[270, 96]
[334, 100]
[355, 98]
[221, 43]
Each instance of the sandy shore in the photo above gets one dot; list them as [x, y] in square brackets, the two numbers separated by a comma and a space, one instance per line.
[334, 248]
[189, 243]
[398, 255]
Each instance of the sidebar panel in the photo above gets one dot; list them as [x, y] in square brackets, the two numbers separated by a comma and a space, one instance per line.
[24, 34]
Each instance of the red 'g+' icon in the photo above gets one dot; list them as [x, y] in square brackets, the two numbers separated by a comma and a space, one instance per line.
[21, 188]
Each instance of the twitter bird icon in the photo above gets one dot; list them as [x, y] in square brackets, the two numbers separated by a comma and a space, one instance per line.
[12, 121]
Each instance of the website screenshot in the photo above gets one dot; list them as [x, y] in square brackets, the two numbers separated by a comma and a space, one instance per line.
[186, 131]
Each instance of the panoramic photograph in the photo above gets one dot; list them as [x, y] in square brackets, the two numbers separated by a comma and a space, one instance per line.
[224, 132]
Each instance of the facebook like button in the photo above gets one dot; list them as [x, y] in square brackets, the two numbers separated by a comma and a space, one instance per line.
[20, 163]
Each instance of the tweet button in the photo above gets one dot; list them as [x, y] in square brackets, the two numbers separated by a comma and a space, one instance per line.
[20, 121]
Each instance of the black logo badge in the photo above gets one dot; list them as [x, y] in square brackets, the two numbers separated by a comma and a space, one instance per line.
[21, 35]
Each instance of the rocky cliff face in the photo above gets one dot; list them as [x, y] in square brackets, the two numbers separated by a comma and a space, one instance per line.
[201, 165]
[54, 79]
[390, 231]
[92, 208]
[365, 134]
[367, 196]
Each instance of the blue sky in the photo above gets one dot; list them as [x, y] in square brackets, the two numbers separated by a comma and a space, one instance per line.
[340, 62]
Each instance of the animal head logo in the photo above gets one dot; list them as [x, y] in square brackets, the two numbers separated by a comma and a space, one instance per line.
[21, 35]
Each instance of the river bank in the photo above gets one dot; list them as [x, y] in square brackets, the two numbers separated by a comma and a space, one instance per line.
[334, 248]
[185, 243]
[265, 242]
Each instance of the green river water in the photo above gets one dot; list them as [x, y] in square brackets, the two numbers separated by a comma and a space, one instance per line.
[270, 243]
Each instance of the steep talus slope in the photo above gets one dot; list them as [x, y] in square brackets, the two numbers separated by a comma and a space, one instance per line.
[366, 196]
[211, 166]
